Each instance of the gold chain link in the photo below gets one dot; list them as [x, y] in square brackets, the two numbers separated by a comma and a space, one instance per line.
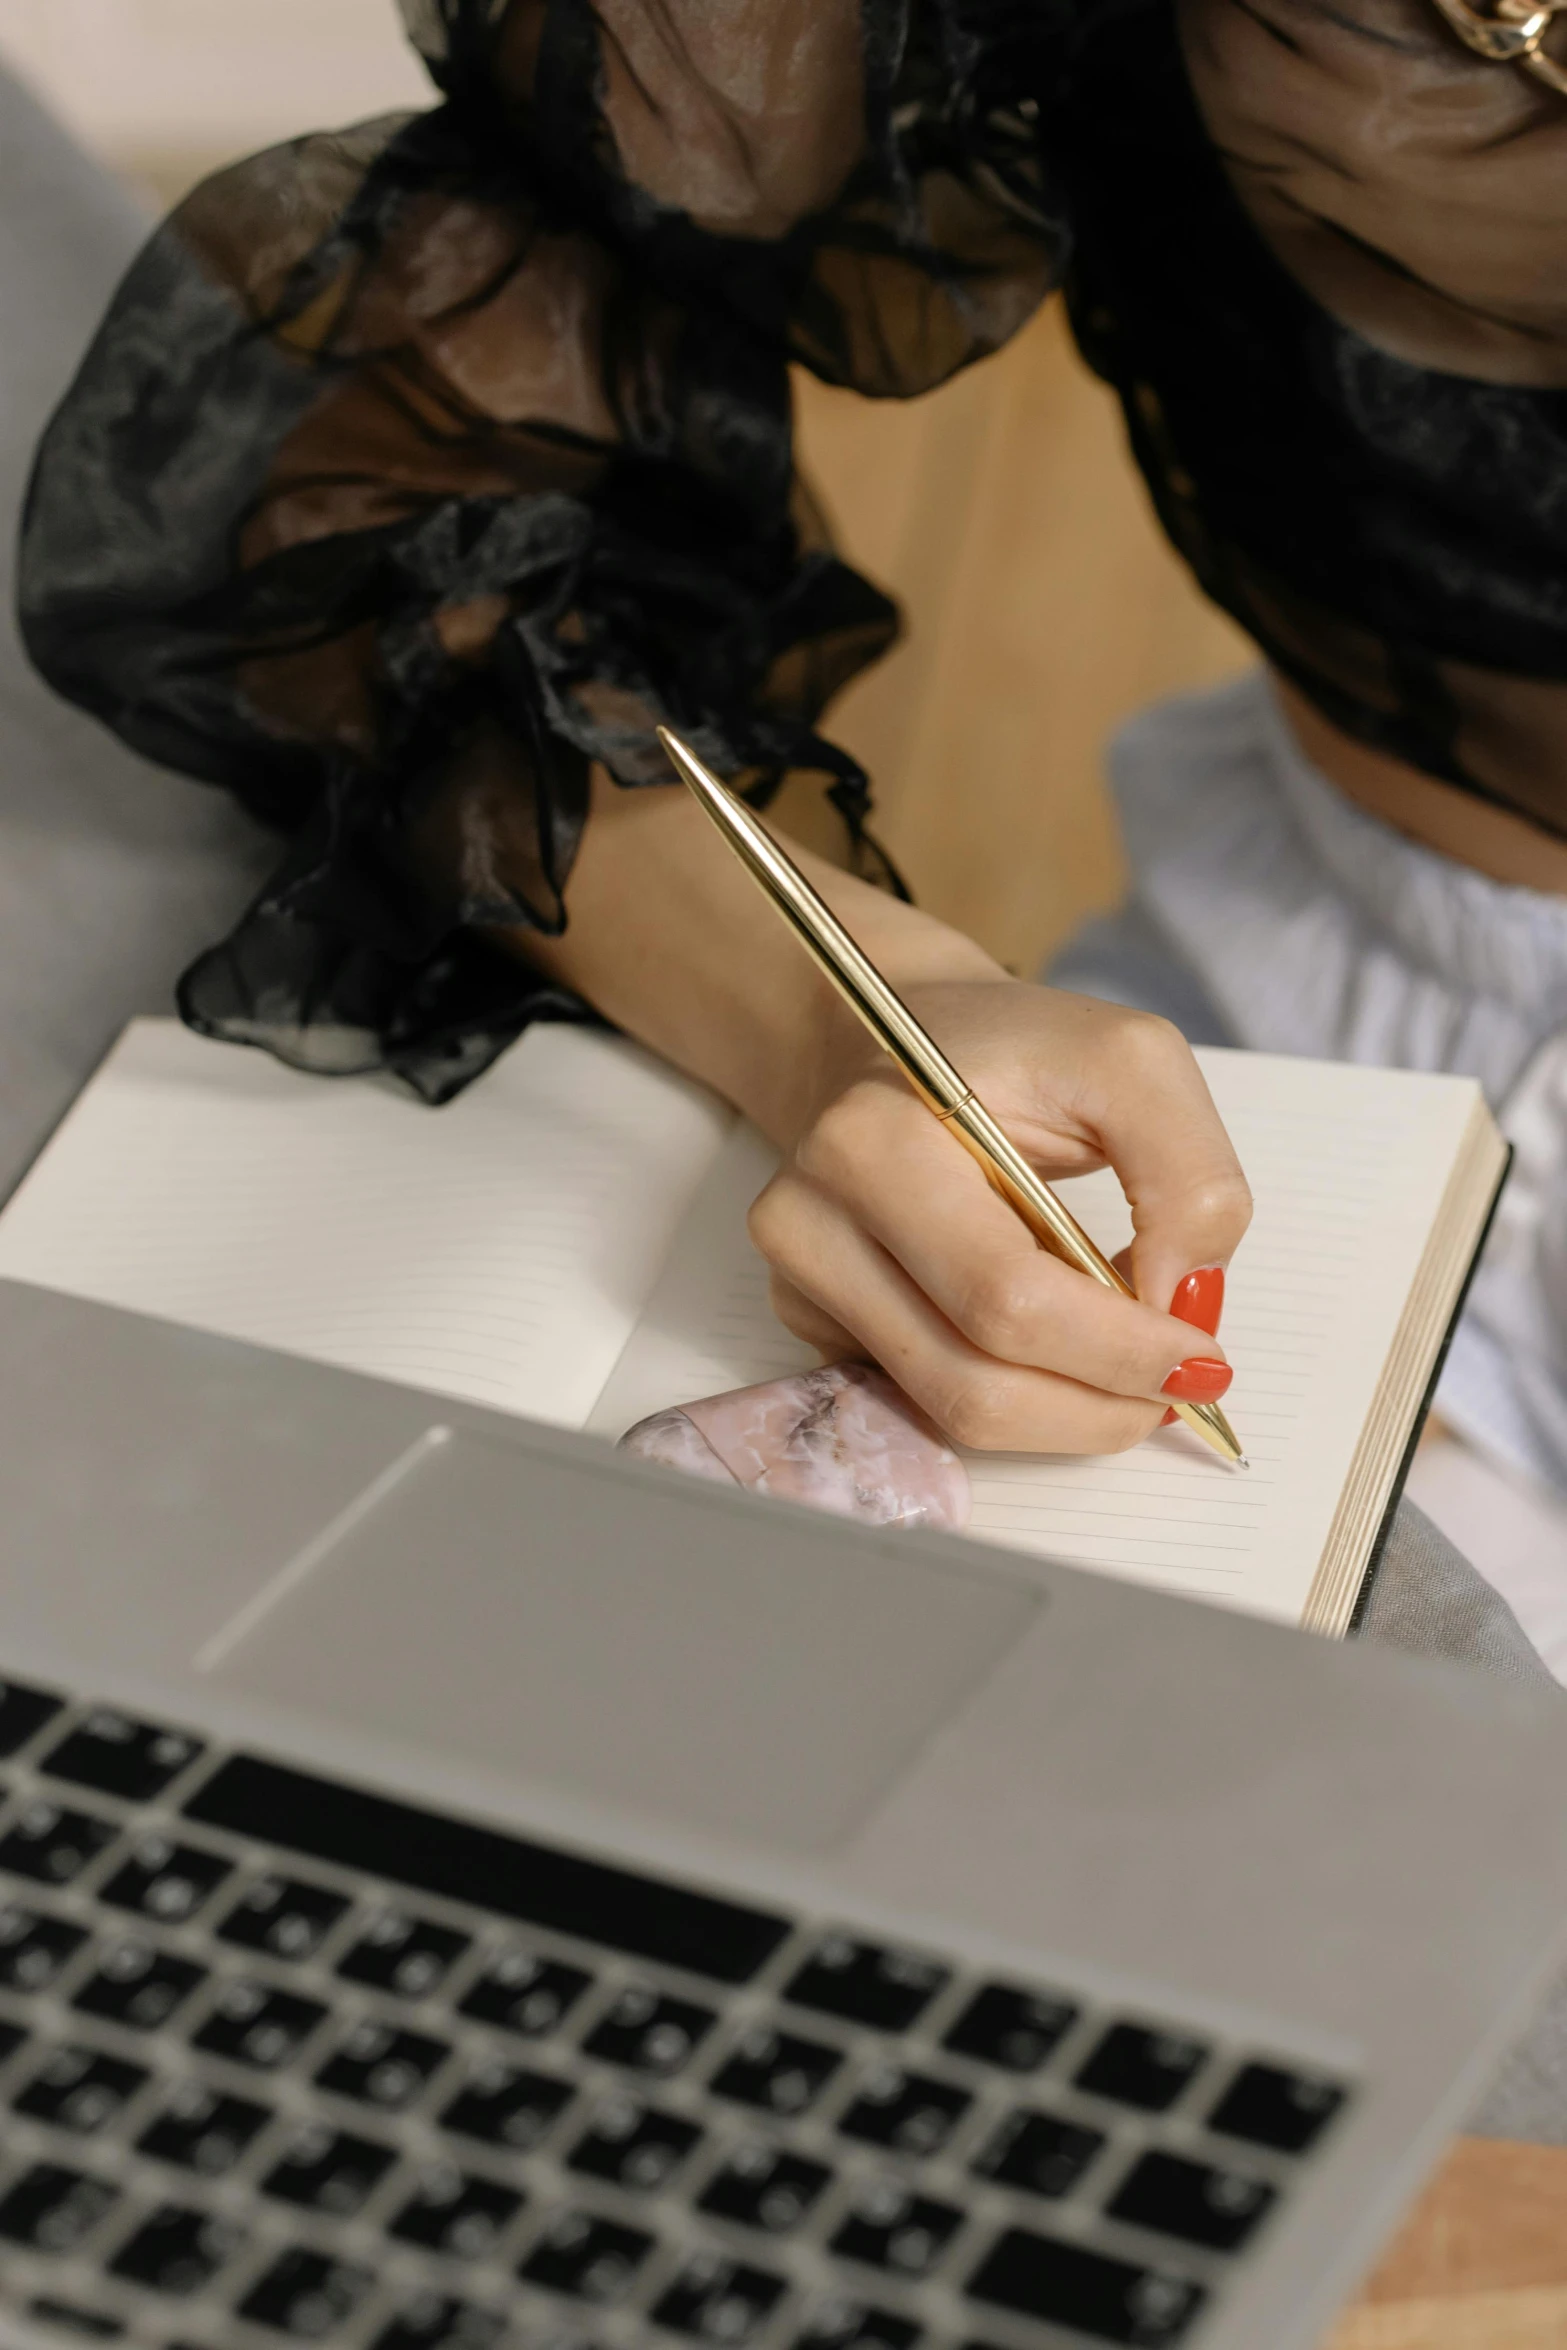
[1511, 32]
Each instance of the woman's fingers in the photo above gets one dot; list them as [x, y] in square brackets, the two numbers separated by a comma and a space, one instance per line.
[812, 1322]
[915, 1191]
[822, 1256]
[1147, 1102]
[885, 1238]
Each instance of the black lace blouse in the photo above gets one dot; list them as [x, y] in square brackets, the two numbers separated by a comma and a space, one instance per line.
[418, 468]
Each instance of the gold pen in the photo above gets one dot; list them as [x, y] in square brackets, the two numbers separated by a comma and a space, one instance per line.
[917, 1054]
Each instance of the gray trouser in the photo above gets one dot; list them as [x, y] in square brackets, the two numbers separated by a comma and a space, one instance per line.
[113, 874]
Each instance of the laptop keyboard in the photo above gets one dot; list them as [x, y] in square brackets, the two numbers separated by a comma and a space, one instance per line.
[281, 2060]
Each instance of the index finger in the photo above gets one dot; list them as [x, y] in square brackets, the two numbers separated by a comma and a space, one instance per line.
[1148, 1103]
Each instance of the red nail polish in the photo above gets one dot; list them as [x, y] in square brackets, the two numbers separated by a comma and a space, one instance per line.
[1199, 1299]
[1200, 1379]
[1169, 1419]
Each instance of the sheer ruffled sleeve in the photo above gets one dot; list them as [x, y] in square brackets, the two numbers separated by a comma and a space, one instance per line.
[419, 468]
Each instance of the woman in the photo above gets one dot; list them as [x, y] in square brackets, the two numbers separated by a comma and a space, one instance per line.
[416, 473]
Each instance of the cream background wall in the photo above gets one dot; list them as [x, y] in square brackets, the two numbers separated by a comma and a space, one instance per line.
[166, 88]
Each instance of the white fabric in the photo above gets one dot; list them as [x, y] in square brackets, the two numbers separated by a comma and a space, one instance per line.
[1317, 929]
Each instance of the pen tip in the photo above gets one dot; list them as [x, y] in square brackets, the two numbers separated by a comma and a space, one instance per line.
[1241, 1462]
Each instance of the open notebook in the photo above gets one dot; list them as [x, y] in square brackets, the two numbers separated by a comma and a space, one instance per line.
[567, 1241]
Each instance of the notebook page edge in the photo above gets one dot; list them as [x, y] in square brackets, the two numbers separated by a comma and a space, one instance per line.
[1434, 1302]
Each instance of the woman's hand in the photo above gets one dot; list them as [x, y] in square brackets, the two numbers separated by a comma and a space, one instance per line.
[884, 1238]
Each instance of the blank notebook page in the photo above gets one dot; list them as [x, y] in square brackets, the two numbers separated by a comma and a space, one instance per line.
[499, 1249]
[1349, 1168]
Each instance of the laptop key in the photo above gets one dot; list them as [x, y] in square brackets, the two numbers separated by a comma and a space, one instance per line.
[1146, 2069]
[328, 2170]
[436, 2321]
[532, 1884]
[904, 2110]
[1038, 2153]
[888, 1990]
[255, 2025]
[35, 1951]
[503, 2105]
[80, 2089]
[1069, 2285]
[176, 2250]
[52, 1845]
[23, 1713]
[166, 1881]
[524, 1994]
[74, 2318]
[634, 2146]
[456, 2213]
[283, 1917]
[856, 2325]
[762, 2187]
[888, 2226]
[718, 2300]
[407, 1956]
[1268, 2106]
[134, 1760]
[306, 2294]
[776, 2071]
[203, 2130]
[377, 2064]
[1017, 2030]
[11, 2038]
[648, 2033]
[1220, 2209]
[592, 2259]
[138, 1986]
[51, 2208]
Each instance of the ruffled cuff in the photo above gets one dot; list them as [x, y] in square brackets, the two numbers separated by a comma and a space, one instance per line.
[275, 540]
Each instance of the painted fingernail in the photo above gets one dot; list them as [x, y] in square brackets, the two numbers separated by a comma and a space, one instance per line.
[1199, 1299]
[1200, 1379]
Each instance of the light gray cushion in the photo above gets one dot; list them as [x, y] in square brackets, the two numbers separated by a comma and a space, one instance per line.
[113, 874]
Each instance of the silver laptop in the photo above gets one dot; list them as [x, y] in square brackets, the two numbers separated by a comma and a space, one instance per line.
[462, 1889]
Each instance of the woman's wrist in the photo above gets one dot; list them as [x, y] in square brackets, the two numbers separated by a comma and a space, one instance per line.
[913, 952]
[670, 939]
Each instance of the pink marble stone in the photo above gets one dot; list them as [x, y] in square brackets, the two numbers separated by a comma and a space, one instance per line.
[676, 1442]
[841, 1439]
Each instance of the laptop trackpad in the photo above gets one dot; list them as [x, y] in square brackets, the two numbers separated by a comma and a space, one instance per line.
[732, 1668]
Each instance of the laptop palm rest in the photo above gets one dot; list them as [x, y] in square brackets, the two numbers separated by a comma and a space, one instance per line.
[575, 1626]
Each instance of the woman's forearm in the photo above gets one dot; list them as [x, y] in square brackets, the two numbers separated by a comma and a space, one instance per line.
[671, 940]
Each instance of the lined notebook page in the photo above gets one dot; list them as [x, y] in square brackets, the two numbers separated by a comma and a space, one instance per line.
[499, 1250]
[1348, 1167]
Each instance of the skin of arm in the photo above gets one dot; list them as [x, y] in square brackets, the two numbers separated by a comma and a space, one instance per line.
[883, 1237]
